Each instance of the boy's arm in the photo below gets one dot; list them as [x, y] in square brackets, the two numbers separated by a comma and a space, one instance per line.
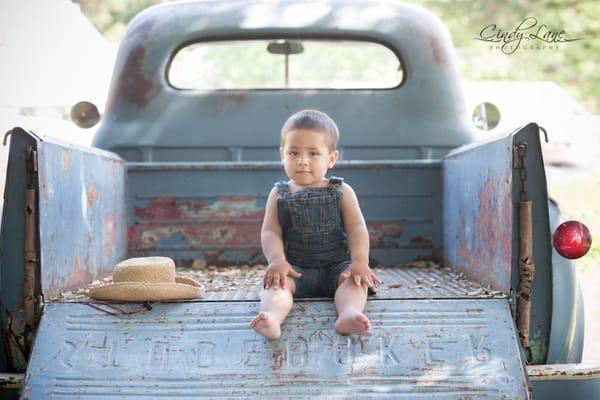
[271, 234]
[358, 238]
[272, 245]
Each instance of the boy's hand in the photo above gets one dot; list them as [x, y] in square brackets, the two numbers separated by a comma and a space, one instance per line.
[276, 274]
[362, 275]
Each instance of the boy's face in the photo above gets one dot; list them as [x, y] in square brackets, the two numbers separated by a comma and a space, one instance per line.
[307, 156]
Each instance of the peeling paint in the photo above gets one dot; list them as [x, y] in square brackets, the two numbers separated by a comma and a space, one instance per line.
[478, 220]
[167, 208]
[82, 229]
[385, 234]
[92, 195]
[77, 276]
[483, 242]
[420, 242]
[110, 230]
[65, 159]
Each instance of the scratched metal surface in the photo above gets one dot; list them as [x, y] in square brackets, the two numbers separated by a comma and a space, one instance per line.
[82, 217]
[398, 283]
[478, 212]
[214, 211]
[451, 349]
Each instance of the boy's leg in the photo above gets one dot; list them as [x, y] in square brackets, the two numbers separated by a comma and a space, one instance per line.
[275, 304]
[350, 301]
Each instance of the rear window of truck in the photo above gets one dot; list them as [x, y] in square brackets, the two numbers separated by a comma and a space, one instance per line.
[285, 64]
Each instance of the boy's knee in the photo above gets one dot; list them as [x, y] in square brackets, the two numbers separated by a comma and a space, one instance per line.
[281, 292]
[348, 284]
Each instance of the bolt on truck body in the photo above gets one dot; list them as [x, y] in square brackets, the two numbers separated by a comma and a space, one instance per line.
[185, 173]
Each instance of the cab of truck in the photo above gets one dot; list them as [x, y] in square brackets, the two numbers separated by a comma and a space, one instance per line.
[181, 167]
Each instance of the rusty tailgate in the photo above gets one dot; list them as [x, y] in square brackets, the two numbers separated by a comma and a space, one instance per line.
[451, 349]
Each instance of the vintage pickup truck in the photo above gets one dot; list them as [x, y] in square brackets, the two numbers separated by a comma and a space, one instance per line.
[185, 156]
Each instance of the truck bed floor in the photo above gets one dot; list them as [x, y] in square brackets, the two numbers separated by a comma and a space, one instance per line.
[419, 280]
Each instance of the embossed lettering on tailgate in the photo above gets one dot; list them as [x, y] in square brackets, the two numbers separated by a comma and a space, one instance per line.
[455, 348]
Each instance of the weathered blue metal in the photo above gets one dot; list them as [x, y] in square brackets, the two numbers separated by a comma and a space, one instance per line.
[478, 212]
[159, 123]
[82, 230]
[194, 212]
[455, 348]
[481, 236]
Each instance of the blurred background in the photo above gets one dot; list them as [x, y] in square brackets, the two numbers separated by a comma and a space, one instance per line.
[57, 53]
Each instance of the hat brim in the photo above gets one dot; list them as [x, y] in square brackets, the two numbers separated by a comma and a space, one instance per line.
[138, 291]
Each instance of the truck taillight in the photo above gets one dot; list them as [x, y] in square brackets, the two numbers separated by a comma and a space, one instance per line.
[572, 239]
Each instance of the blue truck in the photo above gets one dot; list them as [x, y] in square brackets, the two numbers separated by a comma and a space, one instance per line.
[475, 302]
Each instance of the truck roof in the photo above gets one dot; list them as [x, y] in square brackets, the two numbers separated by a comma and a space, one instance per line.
[144, 111]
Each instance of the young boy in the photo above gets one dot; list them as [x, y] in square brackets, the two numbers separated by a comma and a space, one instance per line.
[313, 235]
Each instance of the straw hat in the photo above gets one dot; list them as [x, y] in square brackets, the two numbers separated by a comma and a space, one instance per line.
[147, 279]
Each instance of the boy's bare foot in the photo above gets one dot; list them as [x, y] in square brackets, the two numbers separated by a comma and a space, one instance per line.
[265, 324]
[352, 322]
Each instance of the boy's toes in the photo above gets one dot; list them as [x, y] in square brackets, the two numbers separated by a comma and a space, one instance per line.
[265, 324]
[350, 323]
[363, 321]
[260, 317]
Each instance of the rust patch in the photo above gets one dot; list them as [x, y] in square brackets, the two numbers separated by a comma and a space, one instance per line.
[488, 243]
[436, 256]
[437, 50]
[77, 277]
[110, 231]
[197, 236]
[116, 167]
[92, 196]
[385, 235]
[419, 242]
[132, 85]
[167, 209]
[237, 97]
[65, 159]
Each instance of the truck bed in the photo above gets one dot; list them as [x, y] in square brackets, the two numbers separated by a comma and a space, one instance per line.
[418, 280]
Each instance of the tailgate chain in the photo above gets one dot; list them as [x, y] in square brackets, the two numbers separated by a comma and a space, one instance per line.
[526, 264]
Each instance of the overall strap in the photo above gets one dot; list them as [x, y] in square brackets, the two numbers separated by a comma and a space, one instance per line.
[336, 181]
[282, 187]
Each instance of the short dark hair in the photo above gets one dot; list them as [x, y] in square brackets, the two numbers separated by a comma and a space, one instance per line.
[312, 120]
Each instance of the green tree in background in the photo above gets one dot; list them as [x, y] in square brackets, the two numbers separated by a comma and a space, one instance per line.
[573, 66]
[111, 17]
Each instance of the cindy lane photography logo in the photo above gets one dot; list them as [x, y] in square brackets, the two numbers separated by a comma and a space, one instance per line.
[529, 34]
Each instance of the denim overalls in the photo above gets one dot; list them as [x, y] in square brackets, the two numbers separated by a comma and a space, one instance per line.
[313, 236]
